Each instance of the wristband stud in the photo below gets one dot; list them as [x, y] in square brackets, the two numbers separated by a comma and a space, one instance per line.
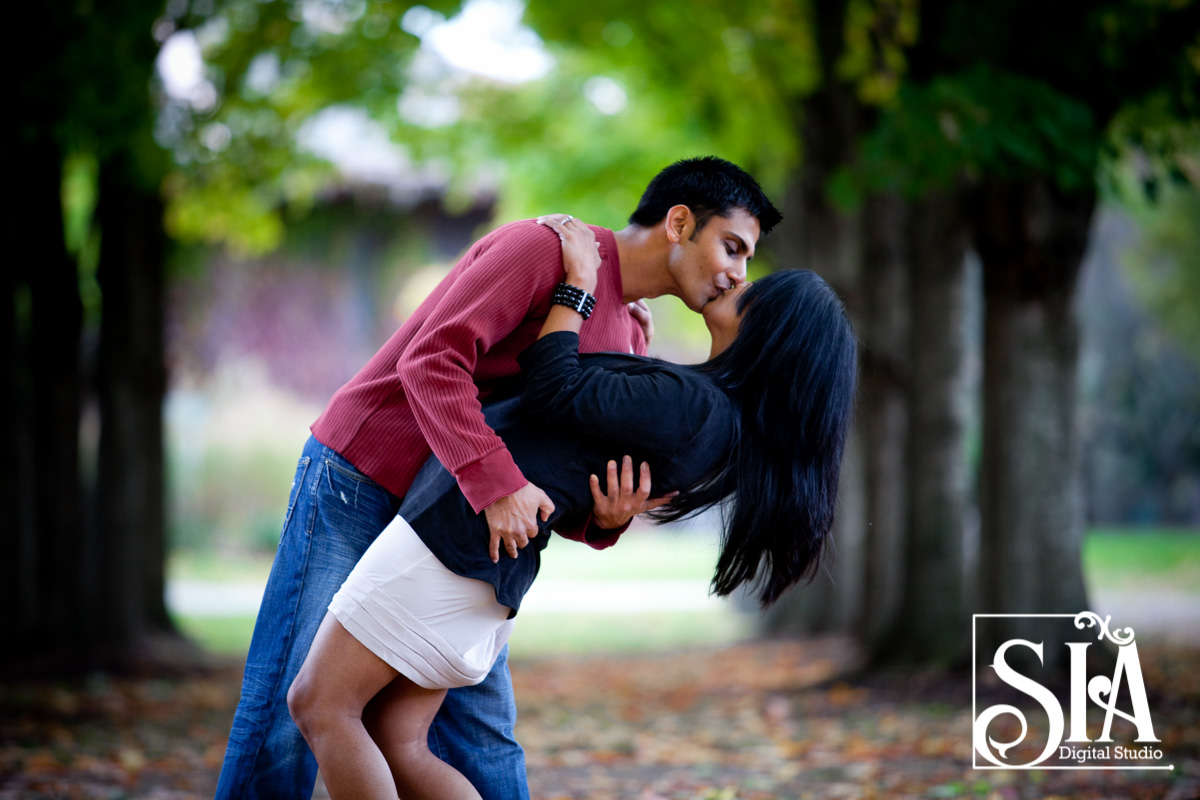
[574, 298]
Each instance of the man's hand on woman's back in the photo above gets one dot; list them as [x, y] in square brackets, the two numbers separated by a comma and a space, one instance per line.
[622, 502]
[513, 519]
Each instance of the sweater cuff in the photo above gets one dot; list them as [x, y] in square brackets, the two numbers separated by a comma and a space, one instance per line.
[592, 535]
[487, 479]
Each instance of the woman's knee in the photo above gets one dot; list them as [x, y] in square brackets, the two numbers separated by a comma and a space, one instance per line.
[306, 703]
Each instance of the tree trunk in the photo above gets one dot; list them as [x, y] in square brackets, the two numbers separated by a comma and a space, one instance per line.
[1031, 240]
[827, 240]
[49, 593]
[131, 383]
[18, 570]
[882, 408]
[63, 582]
[933, 624]
[42, 322]
[13, 407]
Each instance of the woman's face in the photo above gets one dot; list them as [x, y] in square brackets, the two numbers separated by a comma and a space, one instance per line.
[722, 318]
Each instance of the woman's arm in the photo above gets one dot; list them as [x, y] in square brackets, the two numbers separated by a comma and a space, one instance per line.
[657, 407]
[581, 263]
[613, 508]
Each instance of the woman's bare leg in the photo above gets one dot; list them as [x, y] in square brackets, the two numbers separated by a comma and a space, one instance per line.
[339, 679]
[398, 719]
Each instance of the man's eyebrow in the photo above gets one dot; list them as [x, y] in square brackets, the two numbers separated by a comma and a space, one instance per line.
[742, 246]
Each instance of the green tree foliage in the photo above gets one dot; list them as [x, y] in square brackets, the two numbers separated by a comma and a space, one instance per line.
[269, 68]
[634, 86]
[1018, 89]
[981, 122]
[691, 78]
[1165, 266]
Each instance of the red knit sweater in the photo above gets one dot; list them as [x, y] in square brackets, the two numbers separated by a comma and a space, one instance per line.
[423, 388]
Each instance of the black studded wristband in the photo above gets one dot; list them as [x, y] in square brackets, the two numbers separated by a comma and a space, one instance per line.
[574, 298]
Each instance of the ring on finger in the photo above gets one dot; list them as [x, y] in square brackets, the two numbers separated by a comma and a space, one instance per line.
[568, 219]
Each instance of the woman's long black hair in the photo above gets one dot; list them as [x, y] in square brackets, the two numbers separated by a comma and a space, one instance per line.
[792, 370]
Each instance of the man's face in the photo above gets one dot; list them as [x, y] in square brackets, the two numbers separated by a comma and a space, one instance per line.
[704, 265]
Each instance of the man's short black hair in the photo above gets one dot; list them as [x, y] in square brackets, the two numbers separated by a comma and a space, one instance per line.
[709, 186]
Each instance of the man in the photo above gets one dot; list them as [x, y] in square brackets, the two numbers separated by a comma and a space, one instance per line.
[691, 235]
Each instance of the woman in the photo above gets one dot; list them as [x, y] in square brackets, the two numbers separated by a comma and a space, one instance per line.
[759, 428]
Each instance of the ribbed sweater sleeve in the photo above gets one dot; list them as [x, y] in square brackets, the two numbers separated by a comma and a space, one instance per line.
[483, 305]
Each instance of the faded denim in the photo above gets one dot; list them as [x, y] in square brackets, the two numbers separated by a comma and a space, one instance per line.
[334, 512]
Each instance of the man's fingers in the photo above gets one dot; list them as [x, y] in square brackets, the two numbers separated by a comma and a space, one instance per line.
[644, 482]
[594, 483]
[513, 518]
[659, 501]
[520, 541]
[614, 486]
[627, 476]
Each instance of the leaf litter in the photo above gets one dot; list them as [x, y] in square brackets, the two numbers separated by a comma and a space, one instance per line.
[754, 721]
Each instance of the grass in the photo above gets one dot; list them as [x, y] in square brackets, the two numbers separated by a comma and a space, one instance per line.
[1114, 558]
[576, 634]
[218, 567]
[227, 636]
[540, 634]
[1123, 558]
[644, 554]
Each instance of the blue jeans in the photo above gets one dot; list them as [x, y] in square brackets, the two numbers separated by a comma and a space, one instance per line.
[333, 514]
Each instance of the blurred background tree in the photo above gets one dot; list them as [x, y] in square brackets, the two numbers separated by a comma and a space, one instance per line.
[83, 570]
[899, 137]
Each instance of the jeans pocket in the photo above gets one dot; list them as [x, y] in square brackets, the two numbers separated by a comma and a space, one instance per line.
[348, 484]
[350, 503]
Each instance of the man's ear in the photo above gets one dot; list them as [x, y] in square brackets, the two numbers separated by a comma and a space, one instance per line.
[679, 223]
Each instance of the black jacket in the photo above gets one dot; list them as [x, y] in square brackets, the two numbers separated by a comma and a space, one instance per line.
[574, 414]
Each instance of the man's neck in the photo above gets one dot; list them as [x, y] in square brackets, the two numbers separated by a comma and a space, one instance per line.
[643, 259]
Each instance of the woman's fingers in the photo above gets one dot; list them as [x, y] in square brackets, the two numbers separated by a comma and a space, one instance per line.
[562, 224]
[565, 223]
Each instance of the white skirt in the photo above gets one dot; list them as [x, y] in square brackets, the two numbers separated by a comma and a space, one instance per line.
[438, 629]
